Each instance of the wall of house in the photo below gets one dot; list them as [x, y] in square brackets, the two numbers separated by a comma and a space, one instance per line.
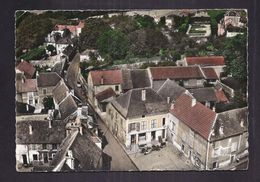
[41, 93]
[148, 120]
[60, 48]
[224, 152]
[193, 83]
[190, 143]
[172, 128]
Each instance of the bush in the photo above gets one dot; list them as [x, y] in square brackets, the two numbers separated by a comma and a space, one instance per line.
[34, 54]
[48, 103]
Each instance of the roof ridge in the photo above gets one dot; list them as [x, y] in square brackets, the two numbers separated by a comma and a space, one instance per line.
[129, 100]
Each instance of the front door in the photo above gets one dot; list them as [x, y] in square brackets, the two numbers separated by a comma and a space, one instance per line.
[153, 135]
[45, 157]
[133, 139]
[25, 159]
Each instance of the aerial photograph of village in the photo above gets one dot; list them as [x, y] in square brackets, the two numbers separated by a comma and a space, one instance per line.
[131, 90]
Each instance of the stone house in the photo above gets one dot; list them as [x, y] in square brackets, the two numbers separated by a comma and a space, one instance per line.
[137, 117]
[74, 29]
[26, 90]
[26, 68]
[46, 82]
[188, 76]
[193, 129]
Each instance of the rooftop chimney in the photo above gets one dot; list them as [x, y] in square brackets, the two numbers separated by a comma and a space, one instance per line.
[50, 123]
[193, 102]
[80, 130]
[143, 95]
[172, 106]
[221, 130]
[30, 130]
[168, 100]
[27, 107]
[242, 123]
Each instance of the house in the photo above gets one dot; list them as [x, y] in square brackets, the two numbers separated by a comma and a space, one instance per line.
[37, 141]
[104, 97]
[99, 81]
[192, 128]
[137, 117]
[188, 76]
[62, 43]
[209, 96]
[46, 82]
[215, 62]
[26, 68]
[231, 25]
[26, 90]
[210, 76]
[74, 29]
[69, 53]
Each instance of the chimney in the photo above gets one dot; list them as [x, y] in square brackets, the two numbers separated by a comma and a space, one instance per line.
[37, 73]
[30, 130]
[143, 95]
[50, 123]
[172, 106]
[221, 130]
[193, 102]
[168, 100]
[80, 130]
[242, 123]
[214, 109]
[72, 91]
[102, 80]
[27, 107]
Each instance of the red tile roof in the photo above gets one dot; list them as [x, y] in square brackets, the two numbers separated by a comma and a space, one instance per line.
[110, 77]
[105, 94]
[210, 73]
[206, 61]
[199, 118]
[27, 68]
[221, 96]
[26, 85]
[174, 72]
[72, 28]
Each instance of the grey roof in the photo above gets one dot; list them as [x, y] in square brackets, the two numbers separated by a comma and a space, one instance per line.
[137, 78]
[67, 107]
[73, 71]
[231, 122]
[170, 89]
[48, 79]
[157, 84]
[60, 92]
[58, 68]
[41, 133]
[232, 83]
[204, 94]
[64, 40]
[86, 154]
[130, 104]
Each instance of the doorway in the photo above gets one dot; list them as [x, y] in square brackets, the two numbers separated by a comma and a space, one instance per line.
[133, 139]
[45, 157]
[153, 135]
[25, 159]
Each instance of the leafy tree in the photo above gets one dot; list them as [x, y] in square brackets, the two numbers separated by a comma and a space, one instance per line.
[51, 48]
[215, 17]
[91, 32]
[66, 33]
[48, 103]
[145, 21]
[114, 43]
[162, 21]
[126, 24]
[34, 54]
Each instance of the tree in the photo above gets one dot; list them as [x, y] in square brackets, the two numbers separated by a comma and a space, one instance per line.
[51, 48]
[34, 54]
[162, 21]
[66, 33]
[145, 21]
[48, 103]
[114, 43]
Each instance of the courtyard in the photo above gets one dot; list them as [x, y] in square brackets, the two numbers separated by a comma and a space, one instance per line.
[168, 158]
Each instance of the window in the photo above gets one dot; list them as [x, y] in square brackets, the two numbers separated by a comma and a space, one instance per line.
[116, 88]
[143, 125]
[54, 146]
[153, 124]
[131, 127]
[44, 146]
[173, 126]
[215, 164]
[182, 147]
[33, 146]
[163, 121]
[35, 157]
[44, 91]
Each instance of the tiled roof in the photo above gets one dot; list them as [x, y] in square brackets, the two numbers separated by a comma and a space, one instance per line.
[221, 96]
[48, 79]
[73, 72]
[41, 133]
[174, 72]
[206, 61]
[60, 92]
[231, 122]
[26, 85]
[105, 94]
[170, 89]
[27, 68]
[72, 28]
[199, 118]
[67, 107]
[210, 73]
[110, 77]
[130, 104]
[204, 94]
